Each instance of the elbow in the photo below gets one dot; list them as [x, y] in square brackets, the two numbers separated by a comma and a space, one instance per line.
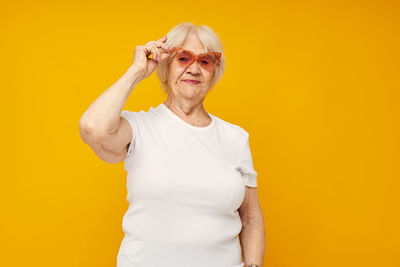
[85, 130]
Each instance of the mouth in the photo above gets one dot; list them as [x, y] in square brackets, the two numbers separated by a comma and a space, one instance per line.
[191, 81]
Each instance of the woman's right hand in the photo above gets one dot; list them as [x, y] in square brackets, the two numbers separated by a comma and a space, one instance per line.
[141, 61]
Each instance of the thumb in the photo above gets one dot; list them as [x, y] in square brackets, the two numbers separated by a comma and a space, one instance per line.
[164, 56]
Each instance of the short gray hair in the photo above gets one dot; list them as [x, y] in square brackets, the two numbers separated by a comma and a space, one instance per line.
[210, 40]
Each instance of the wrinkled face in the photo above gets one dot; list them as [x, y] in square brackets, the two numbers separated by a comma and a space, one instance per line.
[177, 74]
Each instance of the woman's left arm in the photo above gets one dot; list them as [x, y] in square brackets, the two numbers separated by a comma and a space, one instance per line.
[252, 236]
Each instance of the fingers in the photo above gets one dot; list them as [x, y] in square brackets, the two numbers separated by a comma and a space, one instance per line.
[160, 44]
[150, 49]
[153, 47]
[162, 39]
[156, 53]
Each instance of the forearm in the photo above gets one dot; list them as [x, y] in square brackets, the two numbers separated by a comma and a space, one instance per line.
[252, 241]
[102, 117]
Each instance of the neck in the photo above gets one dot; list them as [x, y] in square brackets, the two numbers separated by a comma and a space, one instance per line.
[192, 112]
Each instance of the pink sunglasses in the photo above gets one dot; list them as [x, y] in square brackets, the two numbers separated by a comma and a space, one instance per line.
[186, 57]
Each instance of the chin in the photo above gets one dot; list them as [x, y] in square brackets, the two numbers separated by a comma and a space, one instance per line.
[190, 91]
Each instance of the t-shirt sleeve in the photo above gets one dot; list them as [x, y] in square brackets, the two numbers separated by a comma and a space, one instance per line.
[133, 119]
[246, 167]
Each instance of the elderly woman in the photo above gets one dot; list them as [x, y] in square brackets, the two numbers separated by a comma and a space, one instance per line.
[192, 188]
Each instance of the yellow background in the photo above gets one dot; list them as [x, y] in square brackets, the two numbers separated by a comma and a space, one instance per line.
[315, 83]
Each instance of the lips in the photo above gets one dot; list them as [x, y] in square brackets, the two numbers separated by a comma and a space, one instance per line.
[191, 81]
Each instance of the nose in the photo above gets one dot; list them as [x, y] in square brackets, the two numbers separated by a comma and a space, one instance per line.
[194, 68]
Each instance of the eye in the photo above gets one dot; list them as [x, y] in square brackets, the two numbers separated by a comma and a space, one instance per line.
[207, 60]
[182, 59]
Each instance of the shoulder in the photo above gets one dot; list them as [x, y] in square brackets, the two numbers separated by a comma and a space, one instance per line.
[141, 112]
[141, 115]
[234, 130]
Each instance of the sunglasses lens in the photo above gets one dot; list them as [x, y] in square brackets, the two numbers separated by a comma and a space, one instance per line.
[184, 58]
[208, 62]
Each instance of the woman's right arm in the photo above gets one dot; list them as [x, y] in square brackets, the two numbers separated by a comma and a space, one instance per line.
[101, 126]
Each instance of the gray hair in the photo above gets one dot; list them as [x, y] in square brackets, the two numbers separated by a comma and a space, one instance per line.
[211, 42]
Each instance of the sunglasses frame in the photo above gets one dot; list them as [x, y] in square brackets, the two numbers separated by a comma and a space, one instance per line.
[197, 57]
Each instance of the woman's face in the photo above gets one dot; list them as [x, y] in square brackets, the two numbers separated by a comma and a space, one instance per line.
[177, 74]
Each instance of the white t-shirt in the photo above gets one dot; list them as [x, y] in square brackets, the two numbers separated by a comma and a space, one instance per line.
[185, 184]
